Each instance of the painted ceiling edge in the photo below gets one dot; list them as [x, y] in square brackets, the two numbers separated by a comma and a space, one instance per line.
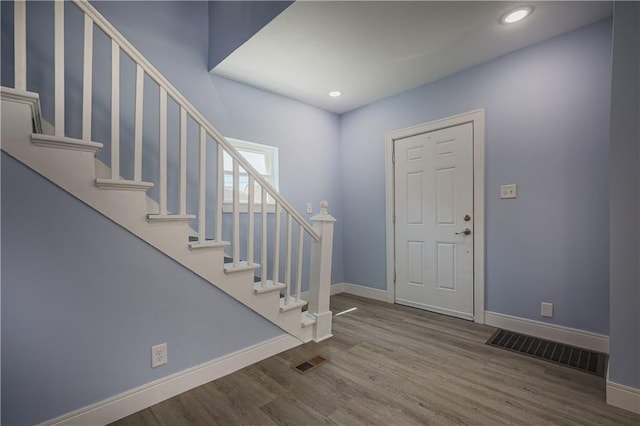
[232, 23]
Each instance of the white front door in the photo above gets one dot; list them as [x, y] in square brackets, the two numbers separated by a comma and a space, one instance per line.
[434, 220]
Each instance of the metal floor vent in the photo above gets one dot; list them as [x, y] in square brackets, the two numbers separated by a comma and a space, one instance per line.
[312, 364]
[581, 359]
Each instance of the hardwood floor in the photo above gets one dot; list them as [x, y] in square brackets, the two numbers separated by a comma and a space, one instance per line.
[394, 365]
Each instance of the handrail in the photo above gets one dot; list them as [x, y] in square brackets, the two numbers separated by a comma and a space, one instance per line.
[137, 57]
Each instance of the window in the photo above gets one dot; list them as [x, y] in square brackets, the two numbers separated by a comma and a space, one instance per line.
[264, 159]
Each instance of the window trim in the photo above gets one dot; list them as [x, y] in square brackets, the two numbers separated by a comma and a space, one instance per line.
[271, 157]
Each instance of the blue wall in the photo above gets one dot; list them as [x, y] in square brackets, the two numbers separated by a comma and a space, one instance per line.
[95, 298]
[624, 367]
[547, 130]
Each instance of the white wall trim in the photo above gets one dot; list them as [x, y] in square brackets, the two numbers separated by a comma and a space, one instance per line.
[556, 333]
[337, 288]
[144, 396]
[624, 397]
[477, 118]
[355, 289]
[362, 291]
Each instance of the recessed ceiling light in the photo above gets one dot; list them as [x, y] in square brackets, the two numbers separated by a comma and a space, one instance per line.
[335, 93]
[516, 15]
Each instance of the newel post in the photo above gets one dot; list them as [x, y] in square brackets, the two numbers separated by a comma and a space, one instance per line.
[320, 273]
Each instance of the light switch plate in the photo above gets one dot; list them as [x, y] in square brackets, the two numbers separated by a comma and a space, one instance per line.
[508, 191]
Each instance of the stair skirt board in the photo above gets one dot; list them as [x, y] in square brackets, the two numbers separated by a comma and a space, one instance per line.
[20, 108]
[134, 400]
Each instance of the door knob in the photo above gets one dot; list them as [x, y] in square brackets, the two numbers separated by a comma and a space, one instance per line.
[466, 231]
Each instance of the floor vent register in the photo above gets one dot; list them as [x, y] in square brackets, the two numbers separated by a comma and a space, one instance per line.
[310, 365]
[570, 356]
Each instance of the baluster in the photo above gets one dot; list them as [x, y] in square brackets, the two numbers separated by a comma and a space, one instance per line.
[219, 192]
[250, 211]
[183, 161]
[299, 272]
[163, 152]
[287, 267]
[263, 195]
[137, 154]
[20, 43]
[276, 249]
[236, 213]
[58, 12]
[115, 110]
[202, 206]
[87, 79]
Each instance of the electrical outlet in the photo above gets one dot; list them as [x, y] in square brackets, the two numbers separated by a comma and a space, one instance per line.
[508, 191]
[309, 208]
[547, 309]
[158, 355]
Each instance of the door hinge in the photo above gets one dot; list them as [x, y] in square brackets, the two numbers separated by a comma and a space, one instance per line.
[394, 277]
[394, 217]
[393, 157]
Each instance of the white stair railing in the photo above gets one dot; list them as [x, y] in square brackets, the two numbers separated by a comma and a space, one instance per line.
[320, 235]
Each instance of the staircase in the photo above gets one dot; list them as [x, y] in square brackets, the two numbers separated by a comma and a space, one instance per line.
[232, 266]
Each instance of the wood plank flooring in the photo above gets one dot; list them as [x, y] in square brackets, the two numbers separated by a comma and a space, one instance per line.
[395, 365]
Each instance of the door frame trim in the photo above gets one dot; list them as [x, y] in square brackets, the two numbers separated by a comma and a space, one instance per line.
[477, 118]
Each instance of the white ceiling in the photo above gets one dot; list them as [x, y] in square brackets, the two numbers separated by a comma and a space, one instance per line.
[374, 49]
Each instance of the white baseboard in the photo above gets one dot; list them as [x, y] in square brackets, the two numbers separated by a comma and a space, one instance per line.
[337, 288]
[145, 396]
[556, 333]
[362, 291]
[624, 397]
[355, 289]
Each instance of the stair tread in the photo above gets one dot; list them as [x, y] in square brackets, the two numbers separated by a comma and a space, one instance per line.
[242, 266]
[123, 184]
[208, 244]
[293, 304]
[170, 217]
[64, 142]
[228, 259]
[269, 286]
[308, 319]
